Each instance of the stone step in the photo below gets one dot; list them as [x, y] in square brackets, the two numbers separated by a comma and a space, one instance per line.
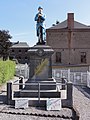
[42, 87]
[43, 94]
[45, 84]
[35, 94]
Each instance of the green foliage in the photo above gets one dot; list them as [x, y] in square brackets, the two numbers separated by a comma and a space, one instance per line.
[4, 43]
[7, 70]
[41, 66]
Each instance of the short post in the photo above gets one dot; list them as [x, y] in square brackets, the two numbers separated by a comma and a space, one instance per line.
[68, 75]
[63, 82]
[21, 81]
[39, 92]
[70, 94]
[50, 68]
[9, 93]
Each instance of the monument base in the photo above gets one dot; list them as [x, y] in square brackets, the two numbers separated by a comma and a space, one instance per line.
[40, 43]
[40, 85]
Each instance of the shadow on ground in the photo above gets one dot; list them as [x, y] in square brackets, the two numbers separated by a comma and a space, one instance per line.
[85, 90]
[3, 99]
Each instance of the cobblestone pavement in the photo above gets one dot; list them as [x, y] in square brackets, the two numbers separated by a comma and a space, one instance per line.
[37, 111]
[25, 117]
[10, 113]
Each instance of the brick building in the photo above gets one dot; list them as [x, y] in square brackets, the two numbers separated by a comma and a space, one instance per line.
[20, 52]
[70, 41]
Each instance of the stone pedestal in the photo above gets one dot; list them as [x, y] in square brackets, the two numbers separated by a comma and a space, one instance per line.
[38, 54]
[41, 85]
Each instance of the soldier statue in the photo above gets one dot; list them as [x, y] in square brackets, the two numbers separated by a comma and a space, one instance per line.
[40, 18]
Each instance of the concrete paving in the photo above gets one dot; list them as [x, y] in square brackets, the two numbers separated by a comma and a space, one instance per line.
[81, 103]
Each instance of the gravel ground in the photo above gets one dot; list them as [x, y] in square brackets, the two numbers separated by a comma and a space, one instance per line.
[82, 104]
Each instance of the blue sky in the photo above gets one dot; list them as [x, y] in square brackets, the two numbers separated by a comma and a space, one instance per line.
[17, 16]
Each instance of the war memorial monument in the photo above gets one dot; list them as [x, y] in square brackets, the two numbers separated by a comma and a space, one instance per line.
[40, 89]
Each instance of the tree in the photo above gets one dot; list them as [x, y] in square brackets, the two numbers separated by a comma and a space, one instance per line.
[5, 43]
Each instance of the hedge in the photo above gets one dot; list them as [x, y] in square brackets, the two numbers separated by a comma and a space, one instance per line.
[7, 70]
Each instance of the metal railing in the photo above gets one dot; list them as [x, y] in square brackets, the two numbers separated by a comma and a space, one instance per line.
[67, 86]
[59, 86]
[21, 86]
[77, 78]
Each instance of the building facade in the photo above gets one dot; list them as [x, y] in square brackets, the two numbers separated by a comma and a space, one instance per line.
[19, 52]
[70, 41]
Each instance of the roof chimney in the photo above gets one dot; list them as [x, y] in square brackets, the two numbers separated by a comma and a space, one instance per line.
[70, 21]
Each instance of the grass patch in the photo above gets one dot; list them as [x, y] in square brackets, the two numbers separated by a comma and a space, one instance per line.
[7, 70]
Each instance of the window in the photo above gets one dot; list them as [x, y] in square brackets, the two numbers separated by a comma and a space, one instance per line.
[12, 50]
[19, 50]
[26, 58]
[83, 57]
[58, 57]
[19, 57]
[26, 51]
